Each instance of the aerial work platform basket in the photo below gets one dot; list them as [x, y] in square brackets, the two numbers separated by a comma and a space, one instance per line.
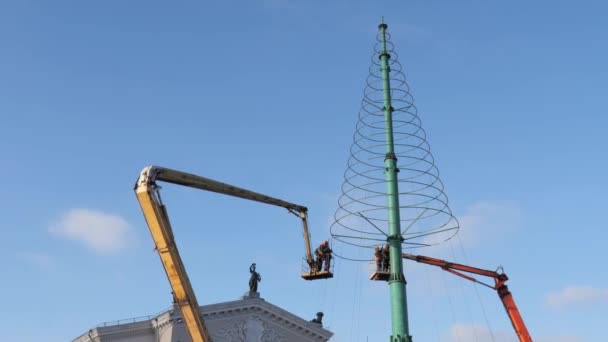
[315, 272]
[378, 273]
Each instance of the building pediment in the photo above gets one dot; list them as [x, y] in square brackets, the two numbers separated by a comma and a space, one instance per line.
[251, 319]
[255, 317]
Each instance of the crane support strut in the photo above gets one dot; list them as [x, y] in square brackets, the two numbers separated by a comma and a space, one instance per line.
[499, 285]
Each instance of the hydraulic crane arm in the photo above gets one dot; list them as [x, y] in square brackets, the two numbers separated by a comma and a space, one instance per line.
[151, 174]
[499, 280]
[155, 213]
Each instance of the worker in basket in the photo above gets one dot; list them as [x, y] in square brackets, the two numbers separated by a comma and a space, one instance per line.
[378, 258]
[323, 256]
[386, 257]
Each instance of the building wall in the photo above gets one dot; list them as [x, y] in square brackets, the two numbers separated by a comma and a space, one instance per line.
[247, 320]
[248, 328]
[131, 332]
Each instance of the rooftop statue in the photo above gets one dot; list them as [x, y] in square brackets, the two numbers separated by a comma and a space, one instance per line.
[254, 279]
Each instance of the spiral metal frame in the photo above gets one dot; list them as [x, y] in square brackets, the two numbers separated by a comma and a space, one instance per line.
[361, 219]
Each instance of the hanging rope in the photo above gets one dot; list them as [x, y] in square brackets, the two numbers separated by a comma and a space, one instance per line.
[474, 285]
[334, 292]
[356, 298]
[430, 287]
[466, 302]
[447, 291]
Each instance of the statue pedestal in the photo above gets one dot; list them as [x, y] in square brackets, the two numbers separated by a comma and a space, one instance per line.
[251, 295]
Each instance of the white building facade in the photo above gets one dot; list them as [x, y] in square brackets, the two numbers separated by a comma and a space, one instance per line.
[250, 319]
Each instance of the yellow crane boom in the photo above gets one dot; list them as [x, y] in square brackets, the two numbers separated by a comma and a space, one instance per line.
[155, 213]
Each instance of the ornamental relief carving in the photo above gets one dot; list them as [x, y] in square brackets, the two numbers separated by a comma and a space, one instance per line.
[252, 329]
[271, 335]
[233, 331]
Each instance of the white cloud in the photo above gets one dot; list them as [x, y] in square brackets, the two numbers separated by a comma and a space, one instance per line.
[37, 259]
[577, 296]
[467, 333]
[483, 221]
[101, 232]
[488, 220]
[568, 338]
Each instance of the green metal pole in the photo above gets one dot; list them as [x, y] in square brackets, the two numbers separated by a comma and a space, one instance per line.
[396, 281]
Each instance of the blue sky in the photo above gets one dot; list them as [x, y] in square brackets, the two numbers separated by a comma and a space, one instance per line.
[265, 95]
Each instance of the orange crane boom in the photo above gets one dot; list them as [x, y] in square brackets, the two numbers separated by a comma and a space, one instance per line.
[499, 285]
